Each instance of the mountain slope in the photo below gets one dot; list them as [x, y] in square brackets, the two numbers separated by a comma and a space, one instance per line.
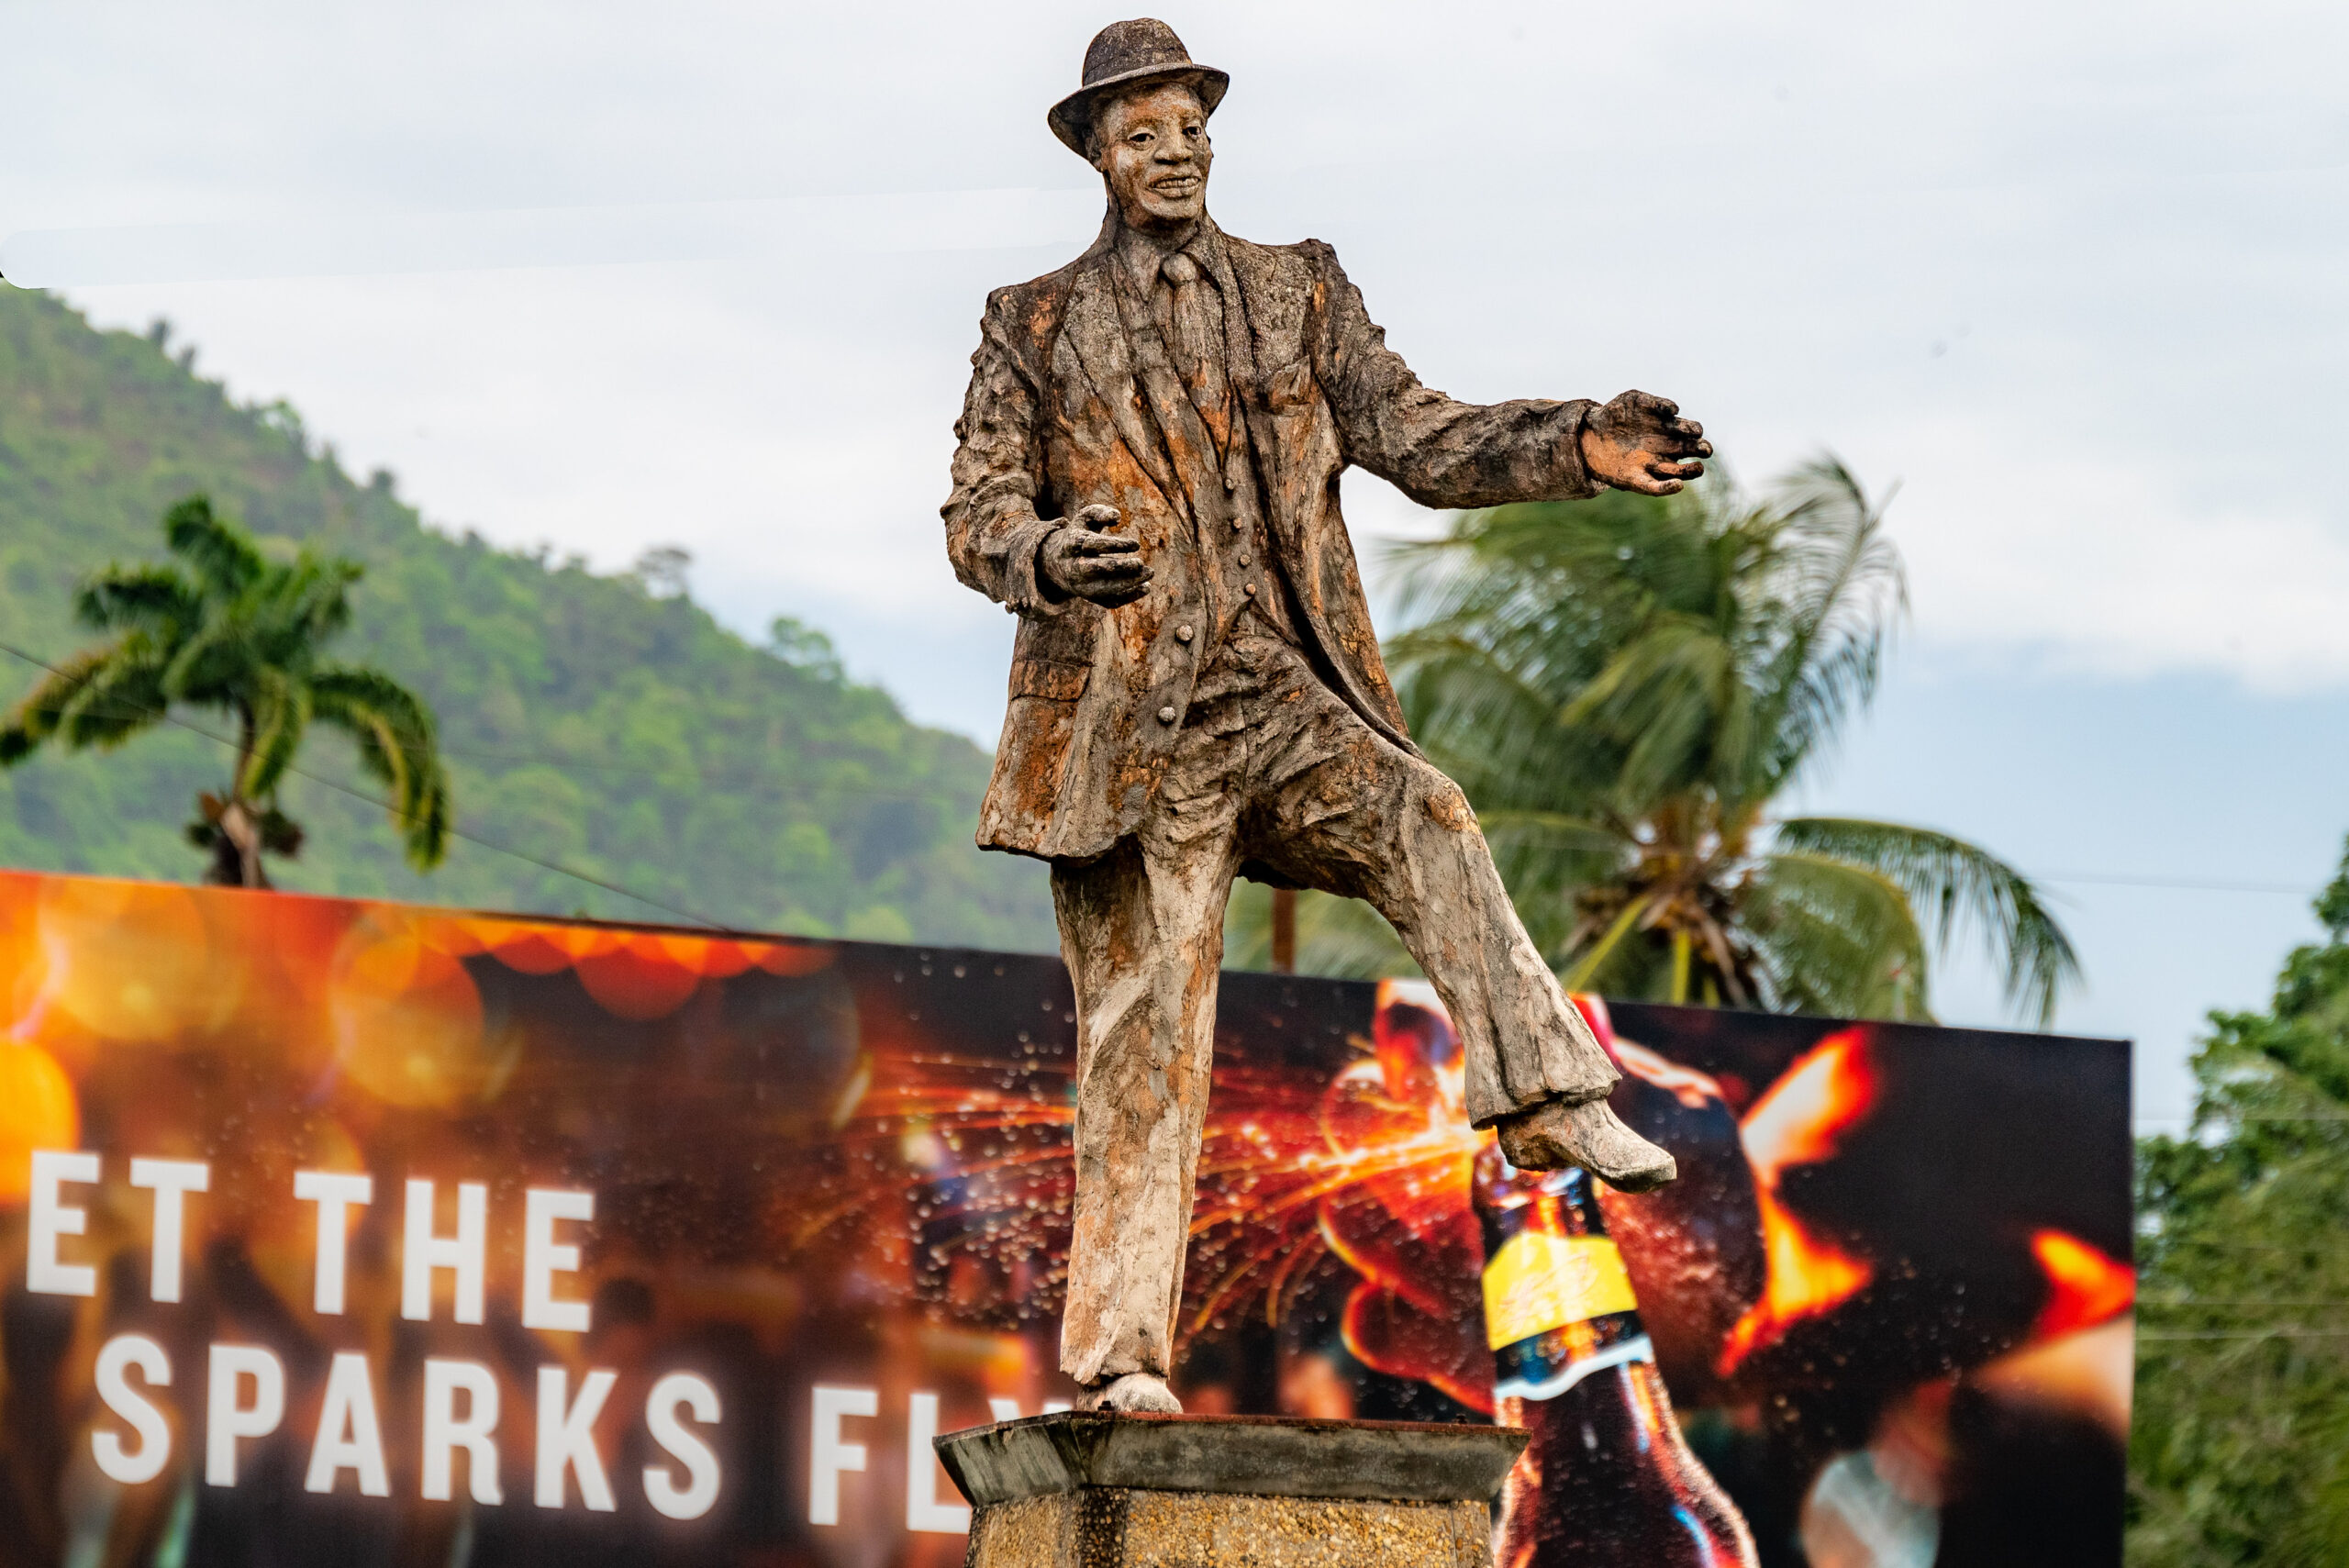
[590, 722]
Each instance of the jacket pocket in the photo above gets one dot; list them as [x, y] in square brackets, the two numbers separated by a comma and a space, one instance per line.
[1055, 680]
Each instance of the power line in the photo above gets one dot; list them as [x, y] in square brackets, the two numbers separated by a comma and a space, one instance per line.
[456, 832]
[2193, 884]
[2259, 1120]
[166, 715]
[2143, 1334]
[2149, 1303]
[742, 779]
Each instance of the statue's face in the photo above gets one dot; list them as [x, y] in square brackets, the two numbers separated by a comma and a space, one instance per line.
[1151, 146]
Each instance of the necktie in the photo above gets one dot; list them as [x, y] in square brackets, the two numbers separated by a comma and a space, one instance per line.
[1191, 346]
[1197, 347]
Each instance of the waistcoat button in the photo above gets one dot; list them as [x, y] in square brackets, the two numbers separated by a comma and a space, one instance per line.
[1183, 633]
[1166, 715]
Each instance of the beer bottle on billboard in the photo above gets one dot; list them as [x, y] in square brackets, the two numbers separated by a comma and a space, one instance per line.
[1608, 1478]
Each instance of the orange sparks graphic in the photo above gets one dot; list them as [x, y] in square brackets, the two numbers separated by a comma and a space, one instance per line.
[2084, 1286]
[1800, 1121]
[1367, 1170]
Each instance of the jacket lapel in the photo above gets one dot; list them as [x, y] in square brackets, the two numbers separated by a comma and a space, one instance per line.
[1275, 305]
[1240, 346]
[1241, 272]
[1093, 328]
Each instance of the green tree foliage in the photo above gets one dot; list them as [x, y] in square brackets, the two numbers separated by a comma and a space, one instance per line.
[240, 635]
[1626, 686]
[1343, 938]
[605, 725]
[2240, 1450]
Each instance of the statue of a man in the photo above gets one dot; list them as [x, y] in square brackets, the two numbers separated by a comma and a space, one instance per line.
[1148, 477]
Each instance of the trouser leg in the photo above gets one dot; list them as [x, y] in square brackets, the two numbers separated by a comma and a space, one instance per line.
[1348, 812]
[1522, 1039]
[1142, 931]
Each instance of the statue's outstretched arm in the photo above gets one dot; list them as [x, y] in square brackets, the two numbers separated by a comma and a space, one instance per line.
[1436, 450]
[1442, 452]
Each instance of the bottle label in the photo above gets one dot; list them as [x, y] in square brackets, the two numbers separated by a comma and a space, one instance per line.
[1525, 1371]
[1538, 1281]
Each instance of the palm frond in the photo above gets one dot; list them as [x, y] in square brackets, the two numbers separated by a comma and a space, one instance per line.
[1659, 699]
[1589, 964]
[1495, 731]
[122, 696]
[1660, 670]
[215, 665]
[226, 561]
[398, 745]
[43, 710]
[280, 706]
[1835, 938]
[242, 631]
[157, 599]
[1952, 883]
[1841, 593]
[1555, 832]
[310, 601]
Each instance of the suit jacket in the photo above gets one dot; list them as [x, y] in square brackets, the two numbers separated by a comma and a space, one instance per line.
[1054, 422]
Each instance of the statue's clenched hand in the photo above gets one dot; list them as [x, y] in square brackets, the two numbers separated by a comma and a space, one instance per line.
[1638, 441]
[1092, 564]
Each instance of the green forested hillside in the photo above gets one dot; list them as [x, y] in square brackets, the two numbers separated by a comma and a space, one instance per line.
[591, 722]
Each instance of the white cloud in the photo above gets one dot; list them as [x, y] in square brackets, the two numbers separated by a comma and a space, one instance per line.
[2072, 282]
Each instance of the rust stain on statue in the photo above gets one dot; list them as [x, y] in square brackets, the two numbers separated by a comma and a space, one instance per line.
[1450, 808]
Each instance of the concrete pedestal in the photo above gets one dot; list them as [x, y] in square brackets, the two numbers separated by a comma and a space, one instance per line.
[1076, 1490]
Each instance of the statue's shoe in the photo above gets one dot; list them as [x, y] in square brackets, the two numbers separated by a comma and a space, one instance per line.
[1552, 1136]
[1134, 1391]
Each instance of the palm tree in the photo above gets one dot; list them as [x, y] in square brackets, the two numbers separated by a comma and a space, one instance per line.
[234, 631]
[1626, 686]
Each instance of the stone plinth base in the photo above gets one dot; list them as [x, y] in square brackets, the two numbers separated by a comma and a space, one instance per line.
[1075, 1490]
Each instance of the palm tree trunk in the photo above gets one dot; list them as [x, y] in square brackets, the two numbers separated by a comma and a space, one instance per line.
[236, 853]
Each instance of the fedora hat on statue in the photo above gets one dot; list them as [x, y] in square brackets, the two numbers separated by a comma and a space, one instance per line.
[1125, 54]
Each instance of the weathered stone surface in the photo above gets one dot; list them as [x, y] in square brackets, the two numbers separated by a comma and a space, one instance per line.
[1125, 1529]
[1147, 475]
[1079, 1490]
[1278, 1456]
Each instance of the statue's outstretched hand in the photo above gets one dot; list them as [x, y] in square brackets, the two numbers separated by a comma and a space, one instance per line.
[1638, 441]
[1092, 563]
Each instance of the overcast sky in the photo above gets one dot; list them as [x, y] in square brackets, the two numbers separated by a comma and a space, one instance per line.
[2068, 274]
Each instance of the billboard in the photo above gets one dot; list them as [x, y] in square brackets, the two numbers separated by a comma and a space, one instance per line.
[352, 1232]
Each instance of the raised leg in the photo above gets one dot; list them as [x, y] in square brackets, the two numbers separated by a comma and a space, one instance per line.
[1352, 813]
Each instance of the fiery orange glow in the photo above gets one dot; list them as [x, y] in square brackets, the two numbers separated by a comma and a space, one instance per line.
[407, 1016]
[1800, 1121]
[1804, 1116]
[133, 960]
[1807, 1275]
[38, 1110]
[642, 979]
[2085, 1287]
[2091, 1373]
